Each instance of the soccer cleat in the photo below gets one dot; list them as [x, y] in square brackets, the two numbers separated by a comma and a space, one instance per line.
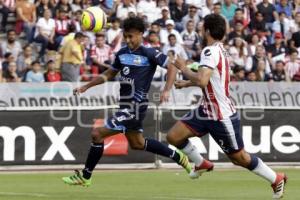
[184, 161]
[206, 166]
[278, 186]
[77, 179]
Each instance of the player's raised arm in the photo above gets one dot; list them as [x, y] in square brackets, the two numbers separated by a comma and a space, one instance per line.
[171, 77]
[109, 74]
[200, 78]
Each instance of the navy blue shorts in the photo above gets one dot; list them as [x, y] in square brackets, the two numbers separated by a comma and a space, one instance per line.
[124, 121]
[225, 132]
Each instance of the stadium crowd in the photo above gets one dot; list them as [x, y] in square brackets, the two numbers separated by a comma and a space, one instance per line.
[263, 37]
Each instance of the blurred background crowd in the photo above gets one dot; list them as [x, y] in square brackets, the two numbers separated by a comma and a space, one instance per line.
[38, 37]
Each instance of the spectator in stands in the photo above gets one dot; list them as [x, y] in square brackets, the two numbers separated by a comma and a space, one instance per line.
[192, 15]
[165, 16]
[26, 18]
[239, 73]
[11, 74]
[63, 5]
[72, 58]
[251, 76]
[178, 11]
[258, 24]
[278, 48]
[254, 41]
[252, 62]
[44, 5]
[155, 27]
[228, 9]
[76, 21]
[77, 5]
[238, 52]
[148, 8]
[6, 7]
[11, 44]
[44, 32]
[35, 75]
[282, 25]
[279, 73]
[164, 33]
[24, 60]
[62, 23]
[101, 53]
[152, 40]
[125, 8]
[285, 7]
[114, 35]
[268, 11]
[238, 31]
[296, 39]
[261, 74]
[293, 65]
[51, 74]
[238, 17]
[176, 47]
[296, 7]
[295, 23]
[206, 9]
[249, 9]
[191, 41]
[217, 9]
[1, 70]
[8, 58]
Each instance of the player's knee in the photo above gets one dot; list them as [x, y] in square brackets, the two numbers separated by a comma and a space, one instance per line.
[96, 135]
[241, 159]
[137, 145]
[172, 139]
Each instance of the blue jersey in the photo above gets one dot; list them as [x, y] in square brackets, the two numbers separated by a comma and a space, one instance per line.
[137, 69]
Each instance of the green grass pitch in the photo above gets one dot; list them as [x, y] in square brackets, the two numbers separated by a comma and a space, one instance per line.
[145, 185]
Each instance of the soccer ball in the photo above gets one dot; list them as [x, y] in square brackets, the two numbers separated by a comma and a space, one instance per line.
[93, 19]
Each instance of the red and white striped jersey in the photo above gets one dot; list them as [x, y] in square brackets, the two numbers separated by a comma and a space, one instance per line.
[216, 100]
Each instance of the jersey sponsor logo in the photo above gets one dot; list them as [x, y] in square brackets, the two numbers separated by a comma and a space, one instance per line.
[207, 52]
[135, 60]
[126, 70]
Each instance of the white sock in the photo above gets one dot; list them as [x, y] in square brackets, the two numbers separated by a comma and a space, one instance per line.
[265, 171]
[193, 153]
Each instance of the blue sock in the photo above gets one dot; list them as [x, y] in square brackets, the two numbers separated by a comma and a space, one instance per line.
[95, 153]
[159, 148]
[253, 164]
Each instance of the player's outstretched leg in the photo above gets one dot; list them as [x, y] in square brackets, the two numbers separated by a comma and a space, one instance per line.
[258, 167]
[138, 142]
[178, 136]
[83, 178]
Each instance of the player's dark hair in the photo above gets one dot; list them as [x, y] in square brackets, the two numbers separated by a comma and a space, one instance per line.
[279, 61]
[115, 19]
[155, 23]
[216, 26]
[134, 23]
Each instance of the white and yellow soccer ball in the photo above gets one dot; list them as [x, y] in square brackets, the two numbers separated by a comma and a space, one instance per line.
[93, 19]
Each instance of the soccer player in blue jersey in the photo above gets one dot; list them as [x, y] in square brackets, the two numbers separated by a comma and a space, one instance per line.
[136, 65]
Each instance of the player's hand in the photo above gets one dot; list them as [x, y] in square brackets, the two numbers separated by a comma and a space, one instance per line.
[79, 90]
[181, 84]
[164, 97]
[179, 63]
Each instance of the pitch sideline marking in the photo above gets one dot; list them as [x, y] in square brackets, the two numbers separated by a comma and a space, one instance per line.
[24, 194]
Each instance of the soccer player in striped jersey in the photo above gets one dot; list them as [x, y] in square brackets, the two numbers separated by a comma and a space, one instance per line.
[216, 114]
[136, 65]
